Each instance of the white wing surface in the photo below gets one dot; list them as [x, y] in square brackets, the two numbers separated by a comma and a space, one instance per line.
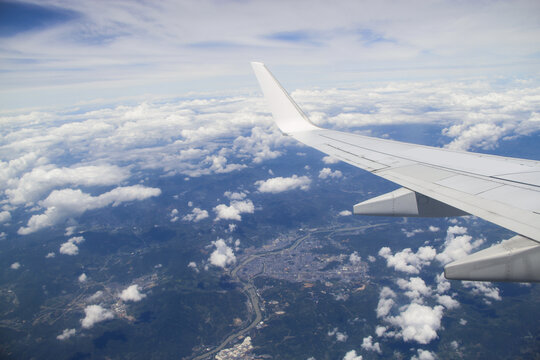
[436, 182]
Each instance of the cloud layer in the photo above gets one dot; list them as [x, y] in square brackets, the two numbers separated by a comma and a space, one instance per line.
[63, 204]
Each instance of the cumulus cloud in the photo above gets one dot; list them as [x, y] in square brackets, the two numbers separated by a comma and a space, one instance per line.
[412, 232]
[415, 321]
[260, 145]
[369, 345]
[50, 255]
[196, 215]
[66, 203]
[418, 322]
[173, 215]
[345, 213]
[5, 216]
[70, 247]
[443, 285]
[433, 228]
[132, 293]
[95, 314]
[15, 265]
[423, 355]
[330, 160]
[352, 355]
[328, 173]
[35, 183]
[457, 244]
[233, 211]
[193, 265]
[235, 195]
[486, 289]
[66, 334]
[447, 301]
[341, 337]
[82, 278]
[386, 302]
[407, 260]
[70, 230]
[281, 184]
[223, 255]
[416, 288]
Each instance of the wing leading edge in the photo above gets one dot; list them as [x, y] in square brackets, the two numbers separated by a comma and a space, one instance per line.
[436, 182]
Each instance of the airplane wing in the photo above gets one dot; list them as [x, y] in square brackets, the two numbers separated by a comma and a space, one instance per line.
[435, 182]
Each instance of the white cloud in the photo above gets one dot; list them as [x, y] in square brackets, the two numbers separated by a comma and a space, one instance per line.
[443, 285]
[95, 314]
[260, 145]
[173, 215]
[345, 213]
[341, 337]
[66, 334]
[372, 258]
[412, 232]
[328, 173]
[15, 265]
[462, 322]
[132, 293]
[70, 230]
[352, 355]
[233, 211]
[416, 288]
[457, 244]
[418, 322]
[76, 239]
[433, 228]
[223, 255]
[330, 160]
[235, 195]
[408, 261]
[280, 184]
[5, 216]
[35, 183]
[196, 215]
[69, 247]
[82, 278]
[386, 302]
[486, 289]
[193, 265]
[66, 203]
[50, 255]
[423, 355]
[369, 345]
[447, 301]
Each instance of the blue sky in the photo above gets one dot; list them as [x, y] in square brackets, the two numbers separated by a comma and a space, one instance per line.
[59, 52]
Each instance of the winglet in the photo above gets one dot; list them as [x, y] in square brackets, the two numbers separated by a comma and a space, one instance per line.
[287, 115]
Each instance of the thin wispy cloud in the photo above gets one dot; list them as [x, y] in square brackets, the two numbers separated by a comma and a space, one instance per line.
[119, 48]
